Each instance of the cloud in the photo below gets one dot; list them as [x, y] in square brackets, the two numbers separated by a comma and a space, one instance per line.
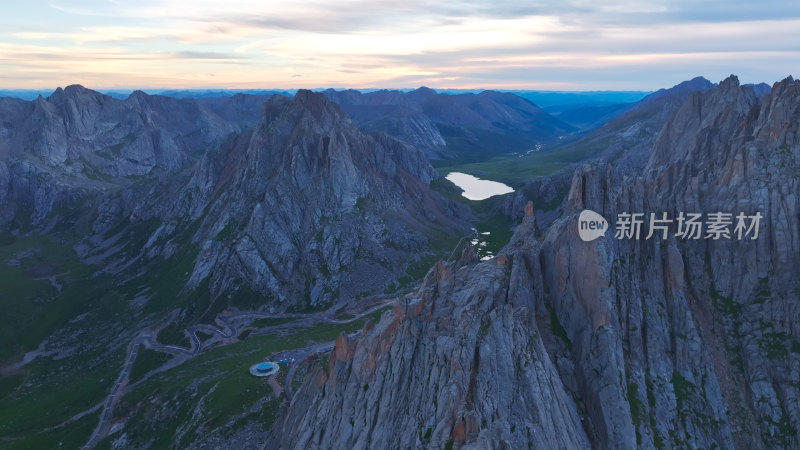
[404, 43]
[204, 56]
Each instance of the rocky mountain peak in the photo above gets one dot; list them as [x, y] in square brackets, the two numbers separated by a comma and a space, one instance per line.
[701, 120]
[780, 109]
[786, 89]
[696, 84]
[422, 93]
[314, 110]
[78, 89]
[729, 84]
[345, 97]
[138, 96]
[314, 101]
[75, 94]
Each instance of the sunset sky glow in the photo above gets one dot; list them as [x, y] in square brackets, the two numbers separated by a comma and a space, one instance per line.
[567, 45]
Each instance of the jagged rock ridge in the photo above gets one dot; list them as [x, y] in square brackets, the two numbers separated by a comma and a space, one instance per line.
[560, 343]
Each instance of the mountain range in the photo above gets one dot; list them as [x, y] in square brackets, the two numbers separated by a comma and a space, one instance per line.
[462, 126]
[153, 247]
[561, 343]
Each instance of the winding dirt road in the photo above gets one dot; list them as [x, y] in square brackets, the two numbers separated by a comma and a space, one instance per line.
[225, 334]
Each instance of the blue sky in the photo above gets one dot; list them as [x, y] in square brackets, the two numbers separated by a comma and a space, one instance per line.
[567, 45]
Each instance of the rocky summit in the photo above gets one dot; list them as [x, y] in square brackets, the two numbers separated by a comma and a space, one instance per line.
[318, 209]
[613, 343]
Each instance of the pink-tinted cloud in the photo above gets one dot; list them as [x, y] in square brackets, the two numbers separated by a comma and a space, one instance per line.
[574, 44]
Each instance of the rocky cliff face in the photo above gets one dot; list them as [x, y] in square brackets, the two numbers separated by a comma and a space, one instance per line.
[318, 210]
[77, 144]
[82, 131]
[561, 343]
